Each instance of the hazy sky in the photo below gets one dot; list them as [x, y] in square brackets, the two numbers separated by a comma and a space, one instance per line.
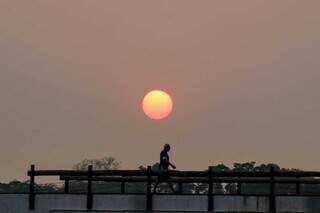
[244, 77]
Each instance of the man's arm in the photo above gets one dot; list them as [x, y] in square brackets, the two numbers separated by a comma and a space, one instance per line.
[169, 163]
[173, 166]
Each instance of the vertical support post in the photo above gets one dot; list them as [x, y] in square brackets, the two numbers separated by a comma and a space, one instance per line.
[123, 185]
[149, 195]
[239, 188]
[272, 198]
[89, 189]
[31, 188]
[180, 187]
[298, 186]
[66, 186]
[210, 190]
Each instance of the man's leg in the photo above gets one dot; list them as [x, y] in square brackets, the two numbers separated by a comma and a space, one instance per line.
[171, 187]
[155, 186]
[170, 184]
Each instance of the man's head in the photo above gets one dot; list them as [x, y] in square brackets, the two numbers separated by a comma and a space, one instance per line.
[167, 147]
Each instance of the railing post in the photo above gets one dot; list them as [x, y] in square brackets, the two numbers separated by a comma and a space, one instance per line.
[149, 195]
[180, 187]
[123, 185]
[298, 186]
[272, 198]
[89, 190]
[66, 186]
[210, 190]
[239, 188]
[31, 188]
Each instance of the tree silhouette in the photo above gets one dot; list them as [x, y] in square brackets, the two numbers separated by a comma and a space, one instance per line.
[105, 163]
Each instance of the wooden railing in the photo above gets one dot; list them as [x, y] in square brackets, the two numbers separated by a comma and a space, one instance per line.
[149, 176]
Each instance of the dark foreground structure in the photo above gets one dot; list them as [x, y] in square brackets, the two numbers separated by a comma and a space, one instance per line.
[208, 201]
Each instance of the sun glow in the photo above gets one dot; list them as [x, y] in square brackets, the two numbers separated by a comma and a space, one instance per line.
[157, 104]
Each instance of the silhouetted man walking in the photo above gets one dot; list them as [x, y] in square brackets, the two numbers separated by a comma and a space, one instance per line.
[164, 167]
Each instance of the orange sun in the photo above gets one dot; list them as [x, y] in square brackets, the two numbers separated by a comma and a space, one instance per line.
[157, 104]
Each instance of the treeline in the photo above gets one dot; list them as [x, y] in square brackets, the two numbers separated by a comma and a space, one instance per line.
[23, 187]
[110, 163]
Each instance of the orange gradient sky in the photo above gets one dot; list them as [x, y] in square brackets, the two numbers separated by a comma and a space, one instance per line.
[244, 77]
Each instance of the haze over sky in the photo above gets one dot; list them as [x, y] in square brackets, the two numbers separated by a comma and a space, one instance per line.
[244, 77]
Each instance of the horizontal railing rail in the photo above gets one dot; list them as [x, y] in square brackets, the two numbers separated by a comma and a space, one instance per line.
[150, 176]
[171, 173]
[192, 179]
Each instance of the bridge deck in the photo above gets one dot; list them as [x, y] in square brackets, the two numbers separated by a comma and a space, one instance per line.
[124, 211]
[103, 211]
